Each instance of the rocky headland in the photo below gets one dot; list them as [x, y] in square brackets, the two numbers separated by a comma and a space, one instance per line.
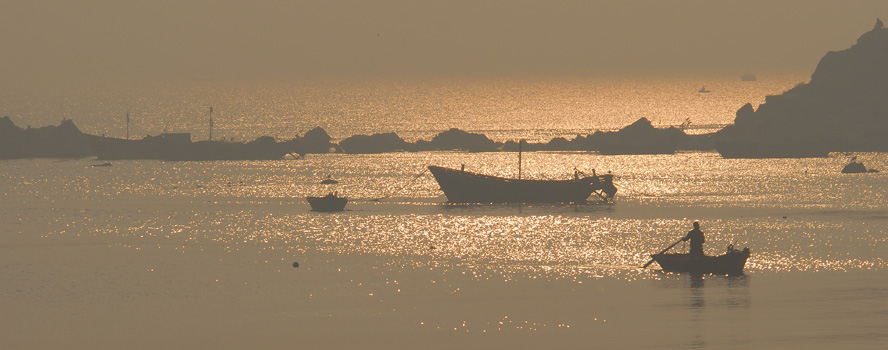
[843, 108]
[62, 141]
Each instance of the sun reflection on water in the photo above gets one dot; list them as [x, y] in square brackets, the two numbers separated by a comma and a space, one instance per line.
[505, 247]
[794, 214]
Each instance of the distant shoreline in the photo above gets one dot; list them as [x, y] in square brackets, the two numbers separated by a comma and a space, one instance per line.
[67, 141]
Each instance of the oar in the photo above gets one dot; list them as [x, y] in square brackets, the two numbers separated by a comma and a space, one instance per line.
[664, 250]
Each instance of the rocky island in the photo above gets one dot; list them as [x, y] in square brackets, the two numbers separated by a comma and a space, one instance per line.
[842, 109]
[67, 141]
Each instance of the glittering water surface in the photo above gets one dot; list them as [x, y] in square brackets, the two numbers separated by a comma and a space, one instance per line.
[199, 254]
[795, 215]
[533, 109]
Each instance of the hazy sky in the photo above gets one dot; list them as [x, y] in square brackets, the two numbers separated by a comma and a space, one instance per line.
[56, 40]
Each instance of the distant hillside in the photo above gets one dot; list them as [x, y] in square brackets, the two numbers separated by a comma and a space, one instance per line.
[843, 108]
[62, 141]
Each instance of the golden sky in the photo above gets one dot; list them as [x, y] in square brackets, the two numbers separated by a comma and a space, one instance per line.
[48, 40]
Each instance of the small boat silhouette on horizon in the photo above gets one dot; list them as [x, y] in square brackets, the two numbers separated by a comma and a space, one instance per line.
[329, 181]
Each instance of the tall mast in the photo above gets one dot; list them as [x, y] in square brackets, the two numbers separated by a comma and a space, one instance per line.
[211, 123]
[127, 126]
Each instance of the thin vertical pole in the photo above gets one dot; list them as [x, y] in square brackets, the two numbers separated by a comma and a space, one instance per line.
[127, 126]
[211, 123]
[519, 158]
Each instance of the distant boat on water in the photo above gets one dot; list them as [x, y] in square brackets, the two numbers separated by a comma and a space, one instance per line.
[703, 90]
[329, 181]
[102, 165]
[466, 187]
[748, 77]
[329, 203]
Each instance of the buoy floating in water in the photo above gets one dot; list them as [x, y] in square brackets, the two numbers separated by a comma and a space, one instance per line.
[295, 264]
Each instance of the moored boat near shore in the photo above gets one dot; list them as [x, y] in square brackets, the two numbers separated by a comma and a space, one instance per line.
[466, 187]
[730, 263]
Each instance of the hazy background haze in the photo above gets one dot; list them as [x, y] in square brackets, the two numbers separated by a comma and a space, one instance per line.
[52, 41]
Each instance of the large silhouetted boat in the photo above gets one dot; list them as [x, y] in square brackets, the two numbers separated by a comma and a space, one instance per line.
[730, 263]
[466, 187]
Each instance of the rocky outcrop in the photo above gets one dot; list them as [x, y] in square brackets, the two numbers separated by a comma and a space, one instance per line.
[62, 141]
[455, 139]
[66, 141]
[843, 108]
[376, 143]
[316, 141]
[640, 137]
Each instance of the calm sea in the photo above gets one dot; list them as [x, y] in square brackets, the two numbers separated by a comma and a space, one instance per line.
[504, 109]
[199, 254]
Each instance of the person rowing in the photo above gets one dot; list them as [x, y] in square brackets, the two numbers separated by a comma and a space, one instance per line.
[697, 239]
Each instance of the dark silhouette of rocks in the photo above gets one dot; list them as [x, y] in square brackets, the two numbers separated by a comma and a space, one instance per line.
[62, 141]
[316, 141]
[10, 139]
[150, 147]
[66, 141]
[843, 108]
[855, 167]
[455, 139]
[179, 147]
[558, 144]
[376, 143]
[262, 148]
[640, 137]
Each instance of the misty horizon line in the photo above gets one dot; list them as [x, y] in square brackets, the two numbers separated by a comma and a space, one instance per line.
[135, 42]
[142, 81]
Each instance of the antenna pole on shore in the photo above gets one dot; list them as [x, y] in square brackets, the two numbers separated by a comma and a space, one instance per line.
[211, 123]
[519, 158]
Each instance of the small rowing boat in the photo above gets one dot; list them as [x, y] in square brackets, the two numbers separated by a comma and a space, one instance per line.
[730, 263]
